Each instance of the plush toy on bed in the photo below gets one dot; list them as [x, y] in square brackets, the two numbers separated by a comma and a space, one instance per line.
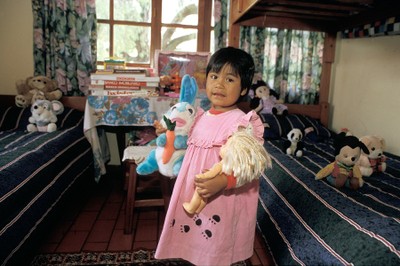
[171, 146]
[294, 144]
[373, 162]
[242, 156]
[36, 88]
[265, 100]
[344, 171]
[44, 115]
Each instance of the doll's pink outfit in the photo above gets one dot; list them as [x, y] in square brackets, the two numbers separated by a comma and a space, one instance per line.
[223, 233]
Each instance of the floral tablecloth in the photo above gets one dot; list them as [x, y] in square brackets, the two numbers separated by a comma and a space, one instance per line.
[121, 111]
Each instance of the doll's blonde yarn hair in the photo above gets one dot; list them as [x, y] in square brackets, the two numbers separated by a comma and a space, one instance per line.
[245, 157]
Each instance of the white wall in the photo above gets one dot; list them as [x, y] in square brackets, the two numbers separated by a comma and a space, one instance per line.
[16, 48]
[365, 88]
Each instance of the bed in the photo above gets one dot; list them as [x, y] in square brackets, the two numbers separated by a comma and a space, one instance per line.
[309, 222]
[37, 172]
[301, 220]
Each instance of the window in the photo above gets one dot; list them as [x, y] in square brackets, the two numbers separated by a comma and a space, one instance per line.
[134, 29]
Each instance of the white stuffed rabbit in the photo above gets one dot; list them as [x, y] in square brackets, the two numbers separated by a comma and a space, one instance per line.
[171, 146]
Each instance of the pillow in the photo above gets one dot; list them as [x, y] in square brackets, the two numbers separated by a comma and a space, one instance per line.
[320, 129]
[69, 118]
[14, 118]
[274, 131]
[279, 126]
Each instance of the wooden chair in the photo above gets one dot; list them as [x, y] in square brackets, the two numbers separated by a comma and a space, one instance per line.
[155, 190]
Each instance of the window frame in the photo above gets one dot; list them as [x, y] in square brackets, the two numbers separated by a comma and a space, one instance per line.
[203, 28]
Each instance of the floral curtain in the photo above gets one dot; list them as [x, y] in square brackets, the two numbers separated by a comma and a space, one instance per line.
[221, 22]
[290, 61]
[65, 42]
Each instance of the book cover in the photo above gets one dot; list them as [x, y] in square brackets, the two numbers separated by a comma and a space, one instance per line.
[123, 77]
[133, 71]
[131, 93]
[118, 84]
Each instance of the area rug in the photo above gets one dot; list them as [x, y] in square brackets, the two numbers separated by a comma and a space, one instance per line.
[140, 257]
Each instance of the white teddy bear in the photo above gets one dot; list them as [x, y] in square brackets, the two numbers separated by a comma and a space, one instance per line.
[44, 115]
[375, 161]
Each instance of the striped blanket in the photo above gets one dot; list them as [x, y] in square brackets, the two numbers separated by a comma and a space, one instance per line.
[309, 222]
[36, 171]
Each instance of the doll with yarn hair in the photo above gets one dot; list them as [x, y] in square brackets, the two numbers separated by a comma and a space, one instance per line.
[242, 156]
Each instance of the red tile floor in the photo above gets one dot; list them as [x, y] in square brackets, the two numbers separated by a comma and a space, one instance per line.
[95, 222]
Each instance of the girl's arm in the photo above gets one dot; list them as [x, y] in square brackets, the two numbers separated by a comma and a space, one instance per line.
[208, 187]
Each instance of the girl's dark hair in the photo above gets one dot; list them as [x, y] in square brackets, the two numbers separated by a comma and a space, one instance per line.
[240, 61]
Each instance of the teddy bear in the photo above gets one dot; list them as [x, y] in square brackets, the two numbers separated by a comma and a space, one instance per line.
[36, 88]
[165, 83]
[44, 115]
[344, 171]
[373, 162]
[265, 100]
[294, 144]
[242, 156]
[167, 157]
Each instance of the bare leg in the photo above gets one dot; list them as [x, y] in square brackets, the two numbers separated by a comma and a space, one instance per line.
[195, 203]
[202, 204]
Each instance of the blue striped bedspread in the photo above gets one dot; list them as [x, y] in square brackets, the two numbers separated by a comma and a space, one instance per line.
[36, 170]
[309, 222]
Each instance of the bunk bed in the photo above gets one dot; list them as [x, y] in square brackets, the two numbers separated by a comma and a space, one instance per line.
[304, 221]
[38, 171]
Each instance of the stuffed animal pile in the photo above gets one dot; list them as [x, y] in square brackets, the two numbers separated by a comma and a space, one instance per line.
[36, 88]
[344, 171]
[44, 115]
[171, 145]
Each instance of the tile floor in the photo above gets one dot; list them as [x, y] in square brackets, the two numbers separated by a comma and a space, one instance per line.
[95, 222]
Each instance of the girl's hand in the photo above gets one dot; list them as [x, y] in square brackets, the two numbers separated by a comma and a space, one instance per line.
[208, 187]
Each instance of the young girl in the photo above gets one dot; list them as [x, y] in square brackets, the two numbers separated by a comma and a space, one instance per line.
[223, 233]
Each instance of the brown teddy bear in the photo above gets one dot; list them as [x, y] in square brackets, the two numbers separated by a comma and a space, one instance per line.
[375, 160]
[36, 88]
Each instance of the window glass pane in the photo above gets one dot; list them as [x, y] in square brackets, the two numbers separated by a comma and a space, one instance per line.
[213, 10]
[132, 43]
[103, 9]
[183, 12]
[131, 10]
[212, 42]
[103, 41]
[179, 39]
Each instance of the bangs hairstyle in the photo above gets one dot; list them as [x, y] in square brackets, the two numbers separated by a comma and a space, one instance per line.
[241, 62]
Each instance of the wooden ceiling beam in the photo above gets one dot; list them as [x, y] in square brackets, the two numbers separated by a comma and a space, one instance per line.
[334, 14]
[311, 11]
[295, 15]
[309, 4]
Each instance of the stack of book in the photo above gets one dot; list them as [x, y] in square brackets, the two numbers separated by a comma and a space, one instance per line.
[123, 82]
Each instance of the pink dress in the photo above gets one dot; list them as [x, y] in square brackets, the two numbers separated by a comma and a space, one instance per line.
[223, 233]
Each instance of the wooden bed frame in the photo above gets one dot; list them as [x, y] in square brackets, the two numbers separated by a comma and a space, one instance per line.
[240, 10]
[76, 102]
[325, 16]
